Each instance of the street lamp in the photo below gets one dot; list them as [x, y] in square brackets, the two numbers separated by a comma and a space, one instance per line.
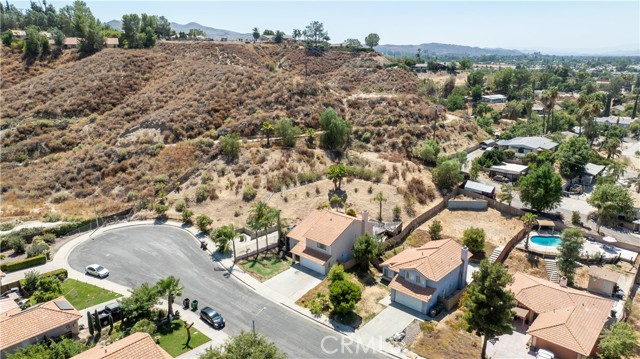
[253, 322]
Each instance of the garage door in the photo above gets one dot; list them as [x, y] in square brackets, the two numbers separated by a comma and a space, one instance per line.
[312, 265]
[408, 301]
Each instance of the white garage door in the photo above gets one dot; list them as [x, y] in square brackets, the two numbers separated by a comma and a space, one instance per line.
[312, 265]
[408, 301]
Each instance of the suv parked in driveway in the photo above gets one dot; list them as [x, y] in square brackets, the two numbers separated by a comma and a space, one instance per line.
[111, 309]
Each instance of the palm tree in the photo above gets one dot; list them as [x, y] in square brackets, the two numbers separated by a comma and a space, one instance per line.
[267, 128]
[617, 169]
[612, 146]
[223, 235]
[296, 34]
[379, 197]
[590, 106]
[545, 98]
[171, 288]
[529, 220]
[635, 182]
[553, 93]
[261, 217]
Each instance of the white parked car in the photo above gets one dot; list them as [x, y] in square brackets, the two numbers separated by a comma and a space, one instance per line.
[545, 354]
[97, 270]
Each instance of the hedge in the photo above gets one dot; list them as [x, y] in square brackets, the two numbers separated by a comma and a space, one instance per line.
[60, 273]
[58, 231]
[26, 263]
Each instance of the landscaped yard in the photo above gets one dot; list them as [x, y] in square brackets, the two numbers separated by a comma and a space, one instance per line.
[83, 295]
[449, 340]
[266, 267]
[368, 306]
[174, 337]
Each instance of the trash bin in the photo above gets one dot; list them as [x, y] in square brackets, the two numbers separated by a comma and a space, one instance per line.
[185, 303]
[194, 305]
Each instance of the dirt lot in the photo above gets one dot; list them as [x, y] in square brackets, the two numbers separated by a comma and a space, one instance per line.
[441, 77]
[499, 228]
[449, 340]
[529, 263]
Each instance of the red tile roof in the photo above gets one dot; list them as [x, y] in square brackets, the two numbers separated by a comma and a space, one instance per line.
[311, 254]
[401, 285]
[434, 260]
[137, 345]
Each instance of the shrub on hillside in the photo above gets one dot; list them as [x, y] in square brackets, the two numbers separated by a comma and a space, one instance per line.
[249, 193]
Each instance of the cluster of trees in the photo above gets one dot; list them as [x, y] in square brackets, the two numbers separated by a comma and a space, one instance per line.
[249, 345]
[446, 173]
[142, 31]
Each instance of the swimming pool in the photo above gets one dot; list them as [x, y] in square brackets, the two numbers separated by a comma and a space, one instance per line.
[549, 241]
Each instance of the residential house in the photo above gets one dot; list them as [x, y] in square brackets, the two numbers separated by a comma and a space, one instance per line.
[267, 38]
[112, 42]
[481, 188]
[618, 109]
[538, 109]
[136, 345]
[419, 276]
[591, 173]
[71, 42]
[602, 280]
[511, 171]
[623, 122]
[490, 143]
[494, 98]
[8, 307]
[524, 145]
[19, 34]
[49, 320]
[563, 320]
[326, 237]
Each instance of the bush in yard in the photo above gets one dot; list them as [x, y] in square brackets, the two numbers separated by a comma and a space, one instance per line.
[66, 348]
[48, 238]
[619, 341]
[49, 288]
[202, 192]
[344, 295]
[575, 217]
[435, 230]
[180, 205]
[186, 216]
[18, 244]
[351, 212]
[473, 238]
[397, 212]
[36, 248]
[31, 279]
[60, 273]
[27, 263]
[203, 222]
[161, 209]
[249, 193]
[366, 249]
[144, 326]
[336, 273]
[245, 345]
[316, 308]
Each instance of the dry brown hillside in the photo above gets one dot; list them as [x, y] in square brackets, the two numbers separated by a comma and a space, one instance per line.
[112, 123]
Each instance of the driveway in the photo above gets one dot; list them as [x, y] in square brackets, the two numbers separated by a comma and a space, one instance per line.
[510, 346]
[294, 282]
[139, 254]
[388, 322]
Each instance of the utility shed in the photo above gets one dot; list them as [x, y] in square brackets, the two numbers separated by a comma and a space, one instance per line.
[602, 280]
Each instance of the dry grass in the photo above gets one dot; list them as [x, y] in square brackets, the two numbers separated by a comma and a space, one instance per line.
[581, 278]
[449, 340]
[529, 263]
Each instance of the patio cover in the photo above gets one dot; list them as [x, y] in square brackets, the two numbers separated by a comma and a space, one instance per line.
[546, 223]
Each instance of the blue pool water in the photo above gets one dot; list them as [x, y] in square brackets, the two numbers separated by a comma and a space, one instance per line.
[550, 241]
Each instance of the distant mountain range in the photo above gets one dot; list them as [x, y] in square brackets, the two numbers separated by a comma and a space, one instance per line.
[209, 31]
[435, 48]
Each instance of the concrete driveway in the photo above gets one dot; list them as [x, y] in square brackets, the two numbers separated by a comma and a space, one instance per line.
[388, 322]
[510, 346]
[294, 282]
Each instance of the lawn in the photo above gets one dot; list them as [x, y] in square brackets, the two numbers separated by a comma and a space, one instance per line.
[174, 337]
[264, 268]
[83, 295]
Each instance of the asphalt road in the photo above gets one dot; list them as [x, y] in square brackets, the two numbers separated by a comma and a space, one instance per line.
[135, 255]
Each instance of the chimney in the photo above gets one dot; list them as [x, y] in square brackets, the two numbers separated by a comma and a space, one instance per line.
[464, 256]
[365, 221]
[563, 282]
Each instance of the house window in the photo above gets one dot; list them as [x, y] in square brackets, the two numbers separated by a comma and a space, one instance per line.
[407, 275]
[387, 272]
[520, 150]
[321, 246]
[418, 279]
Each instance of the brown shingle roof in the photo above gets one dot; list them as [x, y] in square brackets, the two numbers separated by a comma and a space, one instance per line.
[401, 285]
[311, 254]
[71, 40]
[567, 317]
[35, 321]
[602, 273]
[136, 345]
[434, 260]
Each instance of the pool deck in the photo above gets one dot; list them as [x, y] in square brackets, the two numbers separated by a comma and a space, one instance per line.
[588, 250]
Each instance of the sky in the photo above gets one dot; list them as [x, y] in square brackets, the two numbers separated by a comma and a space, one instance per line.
[523, 25]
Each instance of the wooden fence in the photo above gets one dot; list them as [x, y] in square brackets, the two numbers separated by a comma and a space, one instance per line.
[510, 245]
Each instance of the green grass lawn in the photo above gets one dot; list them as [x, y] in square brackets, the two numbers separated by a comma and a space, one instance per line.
[174, 337]
[264, 268]
[83, 295]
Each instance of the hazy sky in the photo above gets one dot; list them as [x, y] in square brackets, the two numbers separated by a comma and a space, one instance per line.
[506, 24]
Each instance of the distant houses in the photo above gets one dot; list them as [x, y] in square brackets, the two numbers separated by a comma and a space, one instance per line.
[623, 122]
[524, 145]
[494, 98]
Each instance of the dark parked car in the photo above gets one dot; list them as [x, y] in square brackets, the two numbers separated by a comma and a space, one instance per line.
[212, 317]
[436, 309]
[113, 310]
[500, 178]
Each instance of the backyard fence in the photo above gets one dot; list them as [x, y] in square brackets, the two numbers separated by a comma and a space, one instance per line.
[472, 205]
[510, 245]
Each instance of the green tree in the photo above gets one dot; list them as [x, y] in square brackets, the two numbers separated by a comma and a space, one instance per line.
[261, 217]
[90, 323]
[465, 64]
[267, 129]
[541, 189]
[366, 249]
[336, 130]
[169, 287]
[379, 197]
[296, 34]
[256, 34]
[475, 78]
[353, 44]
[203, 222]
[139, 303]
[287, 132]
[336, 273]
[268, 32]
[162, 28]
[435, 230]
[336, 174]
[573, 155]
[223, 236]
[618, 341]
[569, 252]
[429, 152]
[506, 194]
[529, 220]
[58, 37]
[187, 214]
[7, 38]
[246, 345]
[473, 238]
[611, 200]
[64, 349]
[87, 28]
[372, 40]
[455, 101]
[49, 288]
[144, 326]
[315, 33]
[230, 145]
[474, 171]
[447, 175]
[612, 147]
[279, 37]
[130, 37]
[344, 295]
[488, 304]
[32, 46]
[31, 279]
[476, 93]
